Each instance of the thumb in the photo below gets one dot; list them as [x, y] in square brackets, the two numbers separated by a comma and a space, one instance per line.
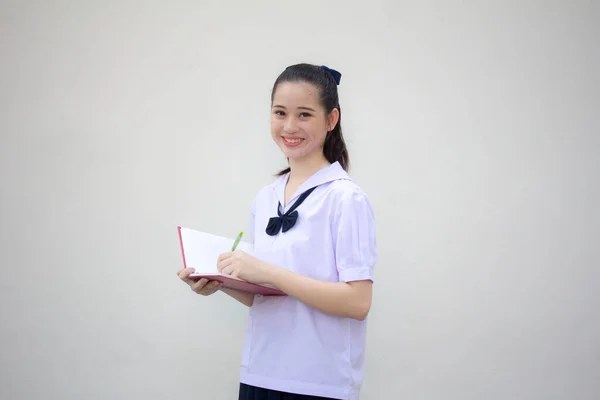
[185, 271]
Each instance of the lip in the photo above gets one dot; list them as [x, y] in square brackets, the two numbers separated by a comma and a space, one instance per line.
[289, 144]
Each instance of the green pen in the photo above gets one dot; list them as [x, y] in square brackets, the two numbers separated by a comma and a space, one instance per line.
[237, 241]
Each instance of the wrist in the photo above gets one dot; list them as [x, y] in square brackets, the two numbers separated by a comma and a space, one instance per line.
[269, 273]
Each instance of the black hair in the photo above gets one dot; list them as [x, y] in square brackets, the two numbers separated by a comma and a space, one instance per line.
[334, 148]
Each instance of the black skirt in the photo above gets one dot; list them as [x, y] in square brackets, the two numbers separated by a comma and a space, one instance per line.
[248, 392]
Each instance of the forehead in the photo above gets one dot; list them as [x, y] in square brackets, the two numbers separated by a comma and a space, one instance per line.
[296, 93]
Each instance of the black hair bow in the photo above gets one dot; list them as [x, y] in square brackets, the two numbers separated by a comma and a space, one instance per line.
[337, 77]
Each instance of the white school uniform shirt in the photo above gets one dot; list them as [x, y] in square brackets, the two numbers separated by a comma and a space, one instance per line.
[290, 346]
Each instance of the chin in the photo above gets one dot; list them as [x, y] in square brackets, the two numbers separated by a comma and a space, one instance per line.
[297, 156]
[296, 153]
[291, 154]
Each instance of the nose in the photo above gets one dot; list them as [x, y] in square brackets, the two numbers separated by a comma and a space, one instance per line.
[290, 125]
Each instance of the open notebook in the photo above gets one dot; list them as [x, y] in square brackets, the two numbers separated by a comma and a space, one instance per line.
[201, 250]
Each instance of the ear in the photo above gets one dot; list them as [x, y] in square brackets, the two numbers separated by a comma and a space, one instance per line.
[332, 119]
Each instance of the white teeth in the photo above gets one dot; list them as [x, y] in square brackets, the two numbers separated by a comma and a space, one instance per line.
[293, 140]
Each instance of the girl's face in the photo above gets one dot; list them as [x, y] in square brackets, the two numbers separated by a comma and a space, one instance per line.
[299, 123]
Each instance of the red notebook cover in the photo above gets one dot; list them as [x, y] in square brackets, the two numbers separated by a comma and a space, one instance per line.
[195, 238]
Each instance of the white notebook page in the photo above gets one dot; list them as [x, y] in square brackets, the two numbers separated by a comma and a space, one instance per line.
[202, 250]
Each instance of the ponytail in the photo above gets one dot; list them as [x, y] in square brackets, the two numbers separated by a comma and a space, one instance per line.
[334, 148]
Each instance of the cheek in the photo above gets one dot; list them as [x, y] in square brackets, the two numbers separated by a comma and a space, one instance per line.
[318, 132]
[275, 127]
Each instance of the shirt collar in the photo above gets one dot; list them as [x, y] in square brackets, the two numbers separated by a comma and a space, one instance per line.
[327, 174]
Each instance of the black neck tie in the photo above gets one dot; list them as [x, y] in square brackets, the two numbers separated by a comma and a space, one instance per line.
[285, 222]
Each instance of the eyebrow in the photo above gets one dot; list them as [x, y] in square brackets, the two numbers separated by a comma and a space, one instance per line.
[300, 108]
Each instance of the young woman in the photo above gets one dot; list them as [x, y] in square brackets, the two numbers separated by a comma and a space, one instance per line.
[313, 231]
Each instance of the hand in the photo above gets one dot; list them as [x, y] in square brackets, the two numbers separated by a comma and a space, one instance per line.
[202, 286]
[242, 265]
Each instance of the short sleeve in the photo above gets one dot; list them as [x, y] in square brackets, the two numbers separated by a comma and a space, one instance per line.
[354, 237]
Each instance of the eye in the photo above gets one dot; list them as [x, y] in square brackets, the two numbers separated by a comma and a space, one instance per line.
[304, 115]
[279, 113]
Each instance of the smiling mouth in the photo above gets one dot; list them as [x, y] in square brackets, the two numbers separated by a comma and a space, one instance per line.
[292, 141]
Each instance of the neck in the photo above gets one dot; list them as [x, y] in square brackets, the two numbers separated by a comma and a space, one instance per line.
[303, 169]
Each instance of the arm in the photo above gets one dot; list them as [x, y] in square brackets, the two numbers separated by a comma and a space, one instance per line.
[243, 297]
[351, 299]
[355, 251]
[353, 227]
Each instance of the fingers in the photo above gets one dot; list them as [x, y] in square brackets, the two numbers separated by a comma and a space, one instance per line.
[228, 270]
[185, 272]
[201, 286]
[210, 288]
[206, 287]
[183, 275]
[224, 256]
[197, 286]
[226, 262]
[231, 271]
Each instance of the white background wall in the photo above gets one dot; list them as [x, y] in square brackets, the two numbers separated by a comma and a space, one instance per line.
[473, 126]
